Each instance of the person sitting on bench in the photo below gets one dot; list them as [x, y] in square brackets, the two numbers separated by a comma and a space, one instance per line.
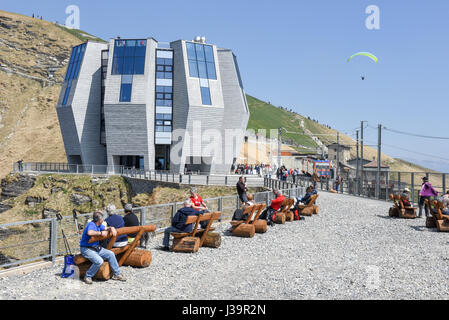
[274, 206]
[310, 191]
[131, 220]
[178, 223]
[238, 213]
[116, 221]
[94, 252]
[405, 198]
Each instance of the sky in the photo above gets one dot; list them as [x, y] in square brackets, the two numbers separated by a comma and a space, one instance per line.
[294, 54]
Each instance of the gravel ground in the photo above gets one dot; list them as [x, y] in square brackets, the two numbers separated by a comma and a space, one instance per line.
[351, 250]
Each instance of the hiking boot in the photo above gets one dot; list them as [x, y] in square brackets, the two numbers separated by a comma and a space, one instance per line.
[118, 277]
[88, 280]
[163, 248]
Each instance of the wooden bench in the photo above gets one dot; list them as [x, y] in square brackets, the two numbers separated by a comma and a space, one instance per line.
[127, 255]
[405, 212]
[250, 226]
[394, 210]
[260, 226]
[192, 241]
[281, 215]
[310, 208]
[441, 220]
[245, 228]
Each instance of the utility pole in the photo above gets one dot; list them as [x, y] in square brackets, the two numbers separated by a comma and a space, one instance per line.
[279, 147]
[357, 165]
[379, 143]
[361, 154]
[338, 153]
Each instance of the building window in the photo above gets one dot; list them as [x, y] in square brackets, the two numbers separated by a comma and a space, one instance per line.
[164, 93]
[201, 61]
[129, 57]
[126, 88]
[73, 68]
[205, 96]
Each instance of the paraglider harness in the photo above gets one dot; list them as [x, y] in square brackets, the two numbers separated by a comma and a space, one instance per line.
[69, 263]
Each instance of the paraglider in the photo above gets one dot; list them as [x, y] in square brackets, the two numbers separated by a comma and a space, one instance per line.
[366, 54]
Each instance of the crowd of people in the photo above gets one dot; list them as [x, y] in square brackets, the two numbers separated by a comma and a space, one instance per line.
[259, 169]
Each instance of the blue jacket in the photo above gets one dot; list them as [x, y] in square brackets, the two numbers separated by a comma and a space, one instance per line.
[179, 220]
[307, 196]
[116, 221]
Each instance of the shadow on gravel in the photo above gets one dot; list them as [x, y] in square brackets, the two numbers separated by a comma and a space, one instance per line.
[423, 228]
[385, 217]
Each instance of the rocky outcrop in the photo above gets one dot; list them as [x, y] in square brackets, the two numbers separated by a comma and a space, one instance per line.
[79, 199]
[16, 187]
[49, 213]
[4, 207]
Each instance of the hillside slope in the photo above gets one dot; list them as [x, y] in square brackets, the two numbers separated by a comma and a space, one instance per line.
[265, 115]
[29, 127]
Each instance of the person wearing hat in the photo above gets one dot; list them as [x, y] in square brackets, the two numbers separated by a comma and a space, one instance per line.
[405, 198]
[131, 220]
[426, 192]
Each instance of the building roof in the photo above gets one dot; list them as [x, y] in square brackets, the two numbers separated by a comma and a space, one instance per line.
[342, 146]
[373, 164]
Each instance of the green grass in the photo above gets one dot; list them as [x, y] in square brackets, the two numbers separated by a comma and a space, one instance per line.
[266, 116]
[79, 34]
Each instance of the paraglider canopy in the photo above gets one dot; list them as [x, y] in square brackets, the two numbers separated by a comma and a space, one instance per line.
[367, 54]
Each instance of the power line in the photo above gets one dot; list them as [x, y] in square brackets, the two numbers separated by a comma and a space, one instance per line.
[410, 134]
[416, 152]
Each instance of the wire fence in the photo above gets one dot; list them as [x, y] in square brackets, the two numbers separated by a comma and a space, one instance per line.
[30, 241]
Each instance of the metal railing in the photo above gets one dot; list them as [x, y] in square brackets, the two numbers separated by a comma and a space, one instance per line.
[29, 241]
[199, 178]
[192, 179]
[391, 182]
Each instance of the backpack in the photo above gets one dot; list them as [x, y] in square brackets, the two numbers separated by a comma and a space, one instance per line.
[69, 266]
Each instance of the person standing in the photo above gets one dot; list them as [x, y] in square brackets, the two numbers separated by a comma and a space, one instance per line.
[338, 181]
[427, 191]
[242, 189]
[94, 252]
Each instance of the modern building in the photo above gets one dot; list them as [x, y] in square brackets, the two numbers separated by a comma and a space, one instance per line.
[177, 106]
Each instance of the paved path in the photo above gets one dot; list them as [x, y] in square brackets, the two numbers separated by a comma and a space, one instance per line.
[350, 250]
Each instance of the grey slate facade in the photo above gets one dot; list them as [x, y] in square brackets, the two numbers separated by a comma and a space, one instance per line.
[197, 124]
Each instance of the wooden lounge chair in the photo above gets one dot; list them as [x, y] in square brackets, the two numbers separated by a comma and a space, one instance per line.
[405, 212]
[127, 255]
[431, 221]
[441, 220]
[260, 225]
[244, 228]
[281, 215]
[310, 208]
[394, 210]
[192, 241]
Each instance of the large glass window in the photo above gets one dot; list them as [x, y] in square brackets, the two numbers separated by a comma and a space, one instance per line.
[201, 61]
[205, 96]
[129, 57]
[73, 68]
[126, 88]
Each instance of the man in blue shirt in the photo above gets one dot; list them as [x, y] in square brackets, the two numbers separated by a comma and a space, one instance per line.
[178, 223]
[94, 252]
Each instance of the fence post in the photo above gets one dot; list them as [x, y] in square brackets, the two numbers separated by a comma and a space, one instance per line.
[180, 178]
[444, 183]
[413, 186]
[190, 178]
[399, 181]
[53, 239]
[207, 180]
[143, 216]
[226, 181]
